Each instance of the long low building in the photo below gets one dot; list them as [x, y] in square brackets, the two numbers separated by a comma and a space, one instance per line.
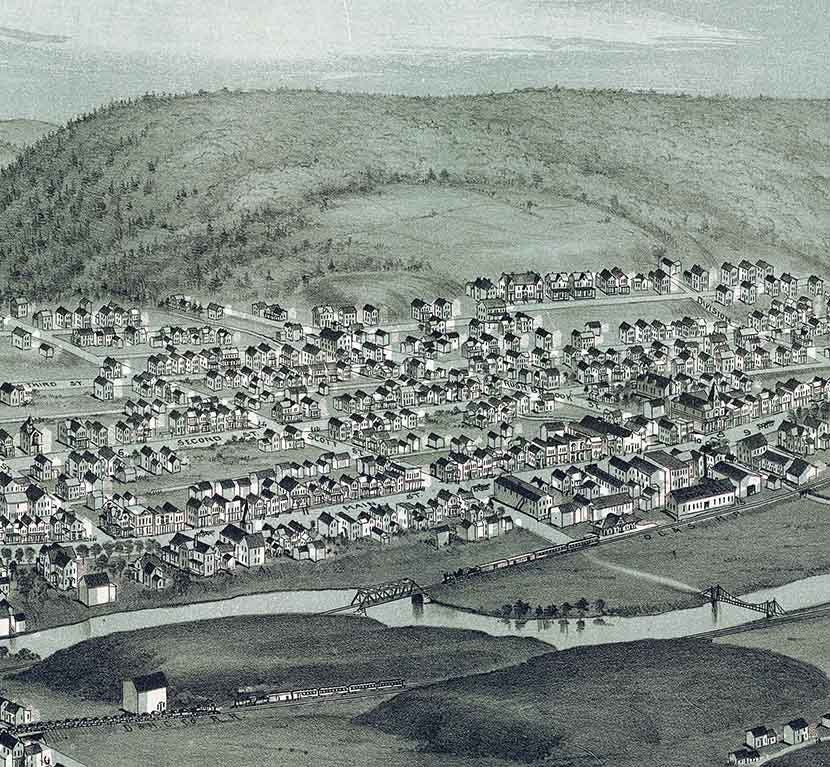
[581, 509]
[709, 495]
[523, 496]
[745, 481]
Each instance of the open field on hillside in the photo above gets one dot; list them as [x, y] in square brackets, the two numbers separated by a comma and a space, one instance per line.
[804, 640]
[232, 459]
[794, 545]
[634, 695]
[314, 734]
[815, 756]
[574, 314]
[390, 291]
[19, 366]
[225, 187]
[48, 404]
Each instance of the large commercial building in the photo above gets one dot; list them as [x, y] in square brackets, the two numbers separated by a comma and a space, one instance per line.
[523, 496]
[691, 501]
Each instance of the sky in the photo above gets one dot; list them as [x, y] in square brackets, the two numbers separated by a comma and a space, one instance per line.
[261, 29]
[57, 57]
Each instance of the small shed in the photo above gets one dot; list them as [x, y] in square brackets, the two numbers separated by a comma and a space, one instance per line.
[145, 694]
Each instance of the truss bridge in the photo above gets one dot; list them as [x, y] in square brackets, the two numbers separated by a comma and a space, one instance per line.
[369, 596]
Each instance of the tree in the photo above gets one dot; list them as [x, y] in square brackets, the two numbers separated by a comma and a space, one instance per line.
[521, 608]
[6, 553]
[599, 606]
[25, 583]
[96, 549]
[83, 550]
[566, 609]
[109, 547]
[18, 554]
[181, 581]
[540, 611]
[139, 545]
[582, 604]
[506, 611]
[29, 554]
[101, 561]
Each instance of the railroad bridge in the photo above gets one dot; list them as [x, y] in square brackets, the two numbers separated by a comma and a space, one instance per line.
[717, 594]
[368, 596]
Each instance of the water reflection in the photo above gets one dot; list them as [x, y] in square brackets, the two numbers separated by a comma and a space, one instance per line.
[670, 625]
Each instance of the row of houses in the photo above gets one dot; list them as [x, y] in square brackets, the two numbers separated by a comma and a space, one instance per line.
[760, 738]
[326, 316]
[531, 287]
[273, 312]
[108, 336]
[109, 315]
[275, 496]
[184, 303]
[384, 433]
[30, 528]
[175, 335]
[716, 410]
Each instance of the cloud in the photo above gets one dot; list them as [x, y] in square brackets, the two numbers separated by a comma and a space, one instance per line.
[26, 36]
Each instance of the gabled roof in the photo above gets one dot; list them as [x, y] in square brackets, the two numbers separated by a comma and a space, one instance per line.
[148, 682]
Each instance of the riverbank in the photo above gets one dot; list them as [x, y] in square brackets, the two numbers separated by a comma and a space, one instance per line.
[759, 549]
[364, 564]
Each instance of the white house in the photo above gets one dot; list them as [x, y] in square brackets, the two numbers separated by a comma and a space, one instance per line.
[96, 589]
[145, 694]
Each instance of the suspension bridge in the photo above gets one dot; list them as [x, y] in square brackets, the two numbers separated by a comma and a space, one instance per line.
[717, 593]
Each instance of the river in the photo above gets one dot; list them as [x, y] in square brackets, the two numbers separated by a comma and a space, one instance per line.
[808, 592]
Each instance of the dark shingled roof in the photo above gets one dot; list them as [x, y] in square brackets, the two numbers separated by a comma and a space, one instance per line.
[150, 682]
[94, 580]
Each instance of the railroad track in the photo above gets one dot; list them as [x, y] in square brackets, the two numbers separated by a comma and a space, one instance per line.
[796, 616]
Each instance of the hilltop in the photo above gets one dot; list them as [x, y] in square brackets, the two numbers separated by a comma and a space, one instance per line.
[682, 703]
[212, 658]
[15, 135]
[314, 194]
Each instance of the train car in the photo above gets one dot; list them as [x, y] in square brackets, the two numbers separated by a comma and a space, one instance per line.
[305, 694]
[363, 687]
[551, 551]
[390, 684]
[326, 692]
[279, 697]
[589, 540]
